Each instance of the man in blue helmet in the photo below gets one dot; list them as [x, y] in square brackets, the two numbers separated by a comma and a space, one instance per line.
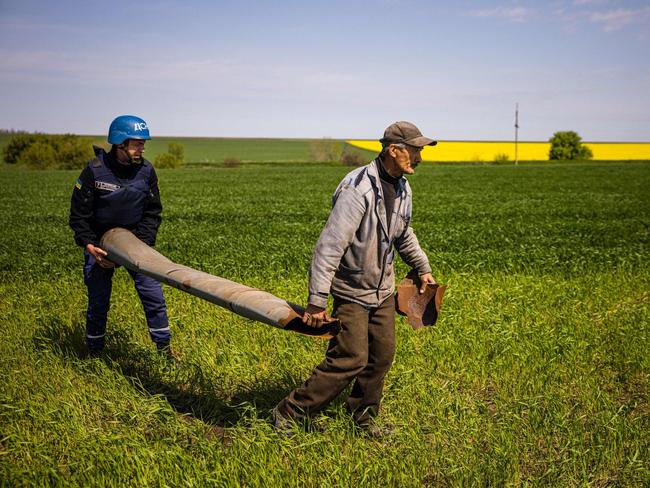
[118, 189]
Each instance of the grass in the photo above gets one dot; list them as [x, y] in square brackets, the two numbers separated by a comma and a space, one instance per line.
[537, 373]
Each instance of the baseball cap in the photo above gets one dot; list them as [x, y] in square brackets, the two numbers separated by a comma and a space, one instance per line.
[403, 132]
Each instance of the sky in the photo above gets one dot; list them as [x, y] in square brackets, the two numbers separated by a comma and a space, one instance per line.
[340, 69]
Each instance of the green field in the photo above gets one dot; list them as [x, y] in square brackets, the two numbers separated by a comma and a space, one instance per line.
[202, 150]
[211, 150]
[537, 374]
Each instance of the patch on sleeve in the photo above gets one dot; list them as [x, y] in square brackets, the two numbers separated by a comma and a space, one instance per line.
[77, 185]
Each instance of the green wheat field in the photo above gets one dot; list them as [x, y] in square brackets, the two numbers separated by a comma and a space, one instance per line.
[202, 151]
[537, 373]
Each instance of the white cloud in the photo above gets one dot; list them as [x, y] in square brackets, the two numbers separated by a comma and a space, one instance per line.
[576, 13]
[512, 13]
[612, 20]
[580, 3]
[579, 13]
[240, 79]
[22, 24]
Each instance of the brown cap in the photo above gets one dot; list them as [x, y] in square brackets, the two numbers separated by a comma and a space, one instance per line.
[403, 132]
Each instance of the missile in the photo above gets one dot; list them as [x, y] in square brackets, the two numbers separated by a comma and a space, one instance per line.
[127, 250]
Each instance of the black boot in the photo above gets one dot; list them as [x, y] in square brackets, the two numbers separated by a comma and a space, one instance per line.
[95, 352]
[284, 426]
[374, 431]
[165, 350]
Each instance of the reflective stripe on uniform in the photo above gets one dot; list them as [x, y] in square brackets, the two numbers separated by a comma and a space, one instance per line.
[163, 329]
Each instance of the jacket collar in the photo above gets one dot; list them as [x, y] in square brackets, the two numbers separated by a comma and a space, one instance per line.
[100, 152]
[380, 207]
[373, 172]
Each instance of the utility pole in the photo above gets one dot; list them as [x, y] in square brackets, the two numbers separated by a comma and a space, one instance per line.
[517, 133]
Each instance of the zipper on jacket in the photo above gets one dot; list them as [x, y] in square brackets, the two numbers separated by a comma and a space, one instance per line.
[390, 244]
[383, 269]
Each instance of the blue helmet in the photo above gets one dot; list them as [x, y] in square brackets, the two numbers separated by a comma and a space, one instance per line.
[127, 127]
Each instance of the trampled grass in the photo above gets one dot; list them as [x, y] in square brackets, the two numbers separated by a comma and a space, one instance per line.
[537, 373]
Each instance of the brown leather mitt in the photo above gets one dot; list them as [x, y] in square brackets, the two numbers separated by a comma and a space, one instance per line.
[420, 308]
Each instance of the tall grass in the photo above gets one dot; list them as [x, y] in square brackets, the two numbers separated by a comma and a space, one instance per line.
[537, 374]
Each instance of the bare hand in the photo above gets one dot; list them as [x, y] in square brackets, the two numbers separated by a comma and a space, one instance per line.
[315, 316]
[426, 279]
[100, 256]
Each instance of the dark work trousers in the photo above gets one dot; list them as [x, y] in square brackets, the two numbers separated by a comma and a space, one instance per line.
[362, 351]
[99, 282]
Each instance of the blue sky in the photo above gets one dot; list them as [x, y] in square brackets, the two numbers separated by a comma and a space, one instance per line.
[343, 69]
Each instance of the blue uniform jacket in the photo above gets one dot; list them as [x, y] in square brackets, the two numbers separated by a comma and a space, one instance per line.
[111, 194]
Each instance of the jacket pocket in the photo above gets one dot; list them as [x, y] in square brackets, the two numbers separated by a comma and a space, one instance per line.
[402, 224]
[346, 271]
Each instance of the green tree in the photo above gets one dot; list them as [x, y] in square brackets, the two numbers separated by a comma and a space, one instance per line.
[72, 152]
[173, 158]
[178, 151]
[47, 151]
[40, 155]
[568, 145]
[16, 145]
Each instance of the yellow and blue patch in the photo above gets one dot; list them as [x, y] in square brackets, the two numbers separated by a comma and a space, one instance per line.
[77, 185]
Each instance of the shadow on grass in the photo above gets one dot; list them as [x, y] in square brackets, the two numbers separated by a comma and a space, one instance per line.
[63, 338]
[186, 387]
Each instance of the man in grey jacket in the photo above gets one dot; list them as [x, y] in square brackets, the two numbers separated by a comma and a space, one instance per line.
[353, 260]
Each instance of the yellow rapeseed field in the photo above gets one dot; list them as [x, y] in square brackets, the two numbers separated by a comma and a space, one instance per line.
[528, 151]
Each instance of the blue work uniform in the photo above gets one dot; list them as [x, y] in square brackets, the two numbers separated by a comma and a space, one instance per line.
[112, 194]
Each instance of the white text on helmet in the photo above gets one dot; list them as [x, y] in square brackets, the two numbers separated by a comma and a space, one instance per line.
[140, 126]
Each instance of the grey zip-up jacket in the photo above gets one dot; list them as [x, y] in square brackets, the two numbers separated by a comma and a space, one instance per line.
[353, 258]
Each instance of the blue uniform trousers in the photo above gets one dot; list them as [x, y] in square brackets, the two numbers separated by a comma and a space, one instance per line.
[99, 282]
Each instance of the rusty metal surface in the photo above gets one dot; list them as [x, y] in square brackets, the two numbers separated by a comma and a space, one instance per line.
[125, 249]
[421, 309]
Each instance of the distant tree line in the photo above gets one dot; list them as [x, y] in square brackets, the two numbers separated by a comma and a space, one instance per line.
[47, 151]
[67, 151]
